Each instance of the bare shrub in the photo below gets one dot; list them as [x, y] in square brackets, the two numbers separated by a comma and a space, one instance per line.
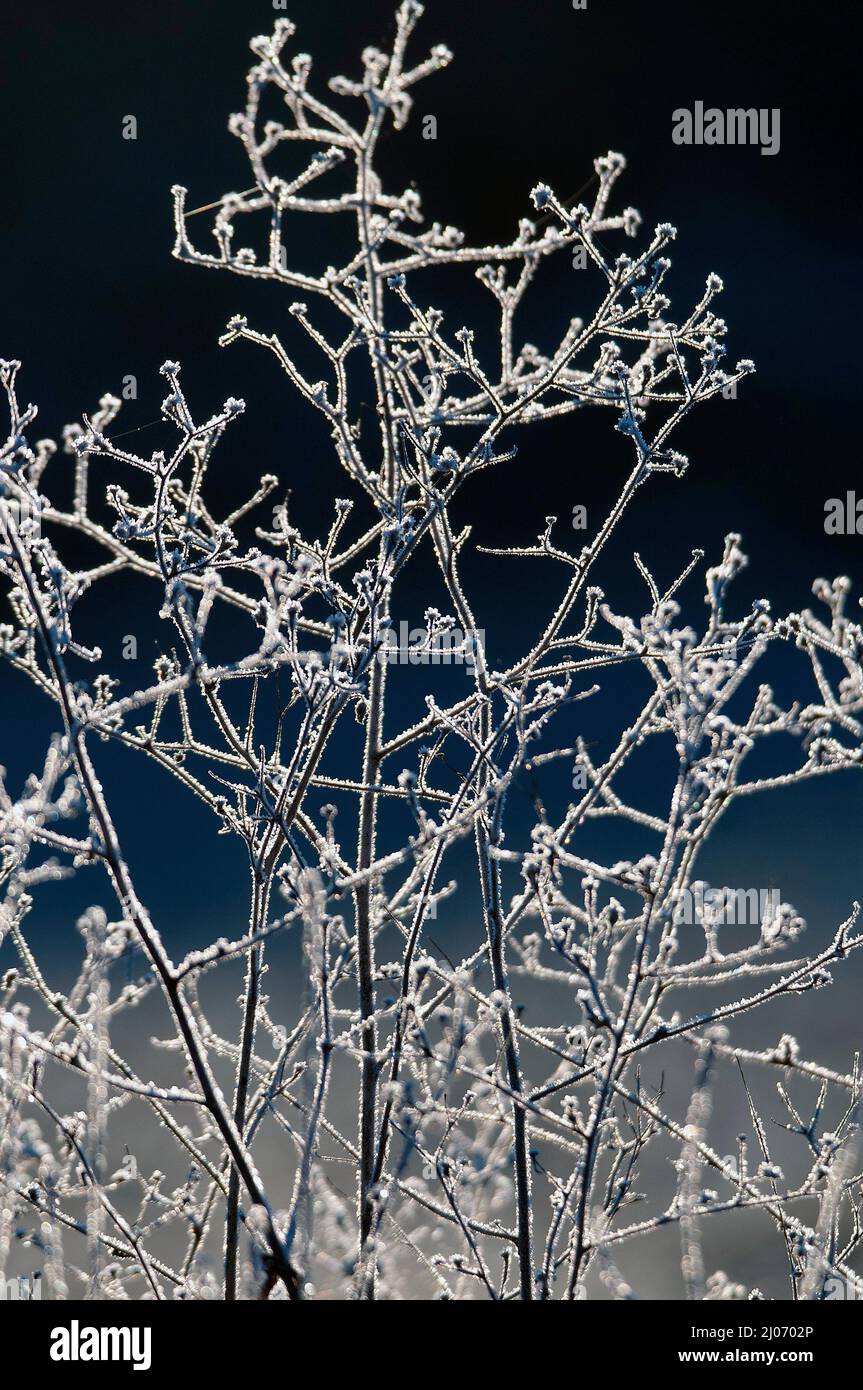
[491, 1156]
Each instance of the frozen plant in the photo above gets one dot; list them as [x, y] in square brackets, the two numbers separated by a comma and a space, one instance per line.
[491, 1156]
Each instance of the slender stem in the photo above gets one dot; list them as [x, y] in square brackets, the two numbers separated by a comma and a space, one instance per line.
[241, 1087]
[365, 955]
[486, 838]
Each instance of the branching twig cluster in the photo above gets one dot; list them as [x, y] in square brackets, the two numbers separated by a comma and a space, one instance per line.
[490, 1157]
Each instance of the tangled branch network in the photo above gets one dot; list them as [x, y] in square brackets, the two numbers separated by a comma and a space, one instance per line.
[422, 1139]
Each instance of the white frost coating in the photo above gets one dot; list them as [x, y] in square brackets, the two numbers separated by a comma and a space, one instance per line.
[481, 1133]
